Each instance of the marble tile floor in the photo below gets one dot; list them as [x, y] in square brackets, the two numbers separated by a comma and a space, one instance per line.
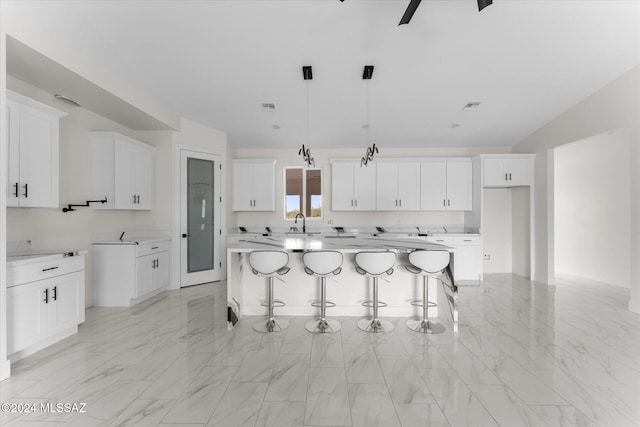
[525, 355]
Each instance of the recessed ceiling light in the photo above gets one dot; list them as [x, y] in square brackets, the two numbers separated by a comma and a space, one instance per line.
[471, 106]
[269, 107]
[276, 127]
[365, 126]
[455, 125]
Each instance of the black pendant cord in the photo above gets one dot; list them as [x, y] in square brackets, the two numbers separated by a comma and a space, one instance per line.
[70, 207]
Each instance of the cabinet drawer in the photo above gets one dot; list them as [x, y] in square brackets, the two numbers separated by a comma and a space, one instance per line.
[448, 241]
[152, 248]
[20, 274]
[467, 241]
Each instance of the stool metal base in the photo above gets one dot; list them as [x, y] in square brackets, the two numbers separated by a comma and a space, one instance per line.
[425, 326]
[322, 326]
[271, 325]
[375, 326]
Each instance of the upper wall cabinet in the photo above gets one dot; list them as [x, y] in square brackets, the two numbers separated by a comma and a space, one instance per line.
[446, 185]
[397, 186]
[254, 185]
[509, 170]
[353, 187]
[33, 160]
[123, 172]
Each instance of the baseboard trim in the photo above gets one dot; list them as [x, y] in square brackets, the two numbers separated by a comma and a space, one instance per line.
[634, 306]
[5, 370]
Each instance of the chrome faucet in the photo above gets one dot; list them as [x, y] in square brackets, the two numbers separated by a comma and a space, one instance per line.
[304, 224]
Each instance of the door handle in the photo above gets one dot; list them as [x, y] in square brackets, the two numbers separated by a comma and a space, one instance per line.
[26, 190]
[134, 199]
[16, 191]
[509, 176]
[46, 296]
[55, 293]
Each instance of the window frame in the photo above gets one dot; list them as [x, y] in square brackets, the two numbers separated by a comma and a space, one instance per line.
[304, 191]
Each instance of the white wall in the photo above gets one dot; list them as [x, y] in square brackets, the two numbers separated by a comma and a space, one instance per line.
[593, 209]
[496, 230]
[615, 106]
[521, 231]
[4, 363]
[290, 157]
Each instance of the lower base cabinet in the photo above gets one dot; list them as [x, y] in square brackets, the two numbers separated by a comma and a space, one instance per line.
[42, 312]
[127, 273]
[467, 256]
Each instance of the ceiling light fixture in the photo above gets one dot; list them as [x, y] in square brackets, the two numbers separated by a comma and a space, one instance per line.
[269, 107]
[307, 75]
[367, 74]
[470, 106]
[67, 99]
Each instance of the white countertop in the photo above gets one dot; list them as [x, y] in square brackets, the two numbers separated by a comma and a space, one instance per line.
[22, 258]
[133, 241]
[346, 244]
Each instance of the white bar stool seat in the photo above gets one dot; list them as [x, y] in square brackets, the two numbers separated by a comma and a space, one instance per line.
[375, 265]
[322, 264]
[426, 264]
[270, 264]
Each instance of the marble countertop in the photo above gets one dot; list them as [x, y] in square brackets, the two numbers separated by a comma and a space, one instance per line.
[389, 232]
[22, 258]
[298, 243]
[133, 241]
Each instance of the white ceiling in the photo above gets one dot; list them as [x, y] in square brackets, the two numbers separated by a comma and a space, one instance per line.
[216, 62]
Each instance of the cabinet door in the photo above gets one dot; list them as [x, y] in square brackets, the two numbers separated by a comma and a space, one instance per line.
[364, 187]
[408, 186]
[342, 186]
[242, 187]
[161, 271]
[387, 186]
[13, 155]
[64, 301]
[38, 158]
[124, 164]
[26, 315]
[459, 186]
[433, 186]
[143, 176]
[518, 170]
[494, 173]
[466, 262]
[264, 190]
[144, 276]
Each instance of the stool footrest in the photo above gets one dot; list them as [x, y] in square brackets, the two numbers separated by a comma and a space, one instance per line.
[418, 303]
[276, 303]
[319, 304]
[370, 304]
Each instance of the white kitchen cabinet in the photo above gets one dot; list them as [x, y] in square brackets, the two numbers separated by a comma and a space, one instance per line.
[353, 187]
[123, 172]
[446, 185]
[397, 186]
[467, 255]
[42, 312]
[508, 170]
[33, 152]
[128, 272]
[254, 185]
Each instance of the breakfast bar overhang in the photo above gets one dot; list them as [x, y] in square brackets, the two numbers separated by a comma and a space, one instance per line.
[348, 290]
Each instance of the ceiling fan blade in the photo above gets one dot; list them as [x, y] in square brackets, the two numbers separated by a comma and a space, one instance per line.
[411, 9]
[484, 3]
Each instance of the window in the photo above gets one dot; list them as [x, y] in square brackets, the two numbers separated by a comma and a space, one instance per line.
[303, 192]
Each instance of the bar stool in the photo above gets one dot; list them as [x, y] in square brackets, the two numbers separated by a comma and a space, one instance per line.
[426, 264]
[270, 264]
[375, 264]
[322, 264]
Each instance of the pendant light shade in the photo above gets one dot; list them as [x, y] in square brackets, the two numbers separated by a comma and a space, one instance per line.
[484, 3]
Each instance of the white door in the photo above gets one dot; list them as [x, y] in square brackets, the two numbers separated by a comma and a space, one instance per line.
[387, 186]
[409, 186]
[459, 186]
[263, 187]
[26, 315]
[433, 186]
[518, 170]
[125, 197]
[364, 187]
[242, 187]
[63, 301]
[342, 186]
[200, 260]
[494, 173]
[142, 177]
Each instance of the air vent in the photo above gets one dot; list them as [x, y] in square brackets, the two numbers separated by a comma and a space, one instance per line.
[269, 107]
[471, 106]
[66, 99]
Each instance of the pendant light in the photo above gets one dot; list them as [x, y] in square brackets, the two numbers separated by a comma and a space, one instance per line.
[307, 75]
[367, 74]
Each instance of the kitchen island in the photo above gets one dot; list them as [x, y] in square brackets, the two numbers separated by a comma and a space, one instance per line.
[348, 289]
